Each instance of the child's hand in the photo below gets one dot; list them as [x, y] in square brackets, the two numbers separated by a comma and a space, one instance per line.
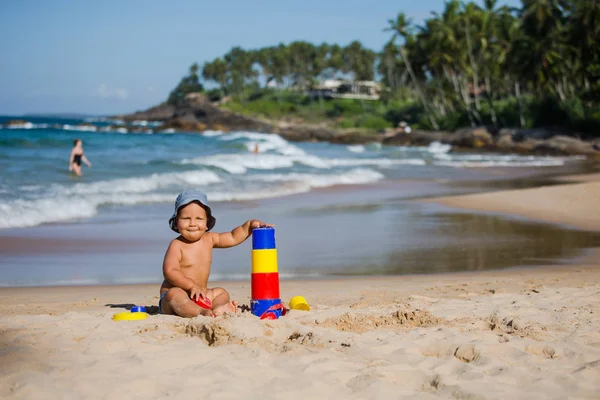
[197, 291]
[259, 224]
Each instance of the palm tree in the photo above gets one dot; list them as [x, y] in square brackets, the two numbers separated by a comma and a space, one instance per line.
[216, 71]
[401, 28]
[494, 40]
[543, 26]
[584, 38]
[388, 66]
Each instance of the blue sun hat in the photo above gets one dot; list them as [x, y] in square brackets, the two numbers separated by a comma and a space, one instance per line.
[186, 197]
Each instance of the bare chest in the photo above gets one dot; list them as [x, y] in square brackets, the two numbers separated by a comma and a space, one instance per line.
[198, 254]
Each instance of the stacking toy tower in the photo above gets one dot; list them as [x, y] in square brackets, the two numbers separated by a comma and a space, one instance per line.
[265, 302]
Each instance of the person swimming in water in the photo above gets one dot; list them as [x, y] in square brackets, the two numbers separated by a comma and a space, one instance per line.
[77, 157]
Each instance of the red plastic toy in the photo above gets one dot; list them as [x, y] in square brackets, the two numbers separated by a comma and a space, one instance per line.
[203, 302]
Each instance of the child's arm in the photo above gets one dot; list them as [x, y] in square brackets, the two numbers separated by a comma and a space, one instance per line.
[238, 234]
[172, 272]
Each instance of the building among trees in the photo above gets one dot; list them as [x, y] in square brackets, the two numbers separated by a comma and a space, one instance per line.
[342, 89]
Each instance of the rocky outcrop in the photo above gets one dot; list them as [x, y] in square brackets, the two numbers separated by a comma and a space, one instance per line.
[162, 112]
[521, 141]
[322, 133]
[198, 114]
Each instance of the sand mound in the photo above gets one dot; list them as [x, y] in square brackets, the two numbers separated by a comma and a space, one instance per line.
[407, 319]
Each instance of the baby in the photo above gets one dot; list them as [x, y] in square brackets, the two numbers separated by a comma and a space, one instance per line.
[186, 266]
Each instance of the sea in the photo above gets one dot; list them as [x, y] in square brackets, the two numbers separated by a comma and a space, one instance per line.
[338, 209]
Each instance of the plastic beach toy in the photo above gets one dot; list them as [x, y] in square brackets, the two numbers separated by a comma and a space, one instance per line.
[265, 301]
[138, 309]
[203, 302]
[129, 316]
[299, 303]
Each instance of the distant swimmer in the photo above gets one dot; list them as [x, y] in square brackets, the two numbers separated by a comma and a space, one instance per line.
[77, 157]
[255, 150]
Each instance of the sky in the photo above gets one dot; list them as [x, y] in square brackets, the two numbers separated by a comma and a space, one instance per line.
[106, 57]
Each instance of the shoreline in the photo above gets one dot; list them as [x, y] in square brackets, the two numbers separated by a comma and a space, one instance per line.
[578, 197]
[106, 250]
[509, 140]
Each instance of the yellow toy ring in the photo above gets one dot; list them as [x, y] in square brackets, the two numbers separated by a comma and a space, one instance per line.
[129, 316]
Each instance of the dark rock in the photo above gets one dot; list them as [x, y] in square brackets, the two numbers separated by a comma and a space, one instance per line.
[161, 112]
[565, 145]
[537, 134]
[472, 137]
[418, 138]
[197, 114]
[305, 133]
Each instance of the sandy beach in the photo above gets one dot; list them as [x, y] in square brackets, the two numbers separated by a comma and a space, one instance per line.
[515, 333]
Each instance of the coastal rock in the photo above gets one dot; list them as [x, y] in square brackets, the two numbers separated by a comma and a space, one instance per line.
[197, 114]
[184, 124]
[565, 145]
[162, 112]
[418, 138]
[18, 123]
[472, 137]
[319, 133]
[505, 140]
[519, 135]
[305, 133]
[553, 146]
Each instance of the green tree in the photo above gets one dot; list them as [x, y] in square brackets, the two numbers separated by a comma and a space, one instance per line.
[401, 28]
[188, 84]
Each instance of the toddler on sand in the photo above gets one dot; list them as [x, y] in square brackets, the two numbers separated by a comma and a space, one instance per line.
[186, 266]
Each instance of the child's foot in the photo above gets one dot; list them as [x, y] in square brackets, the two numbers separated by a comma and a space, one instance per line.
[232, 306]
[206, 313]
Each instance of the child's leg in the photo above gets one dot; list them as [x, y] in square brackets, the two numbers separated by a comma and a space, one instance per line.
[220, 301]
[177, 302]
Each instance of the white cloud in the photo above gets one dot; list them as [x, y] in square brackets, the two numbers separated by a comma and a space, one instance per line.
[104, 91]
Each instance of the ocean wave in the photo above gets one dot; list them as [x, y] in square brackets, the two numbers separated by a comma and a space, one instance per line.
[82, 200]
[352, 177]
[145, 123]
[438, 148]
[61, 203]
[500, 163]
[499, 160]
[295, 183]
[265, 142]
[241, 163]
[356, 148]
[82, 128]
[211, 133]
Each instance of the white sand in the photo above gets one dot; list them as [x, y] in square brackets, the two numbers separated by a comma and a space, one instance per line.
[512, 334]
